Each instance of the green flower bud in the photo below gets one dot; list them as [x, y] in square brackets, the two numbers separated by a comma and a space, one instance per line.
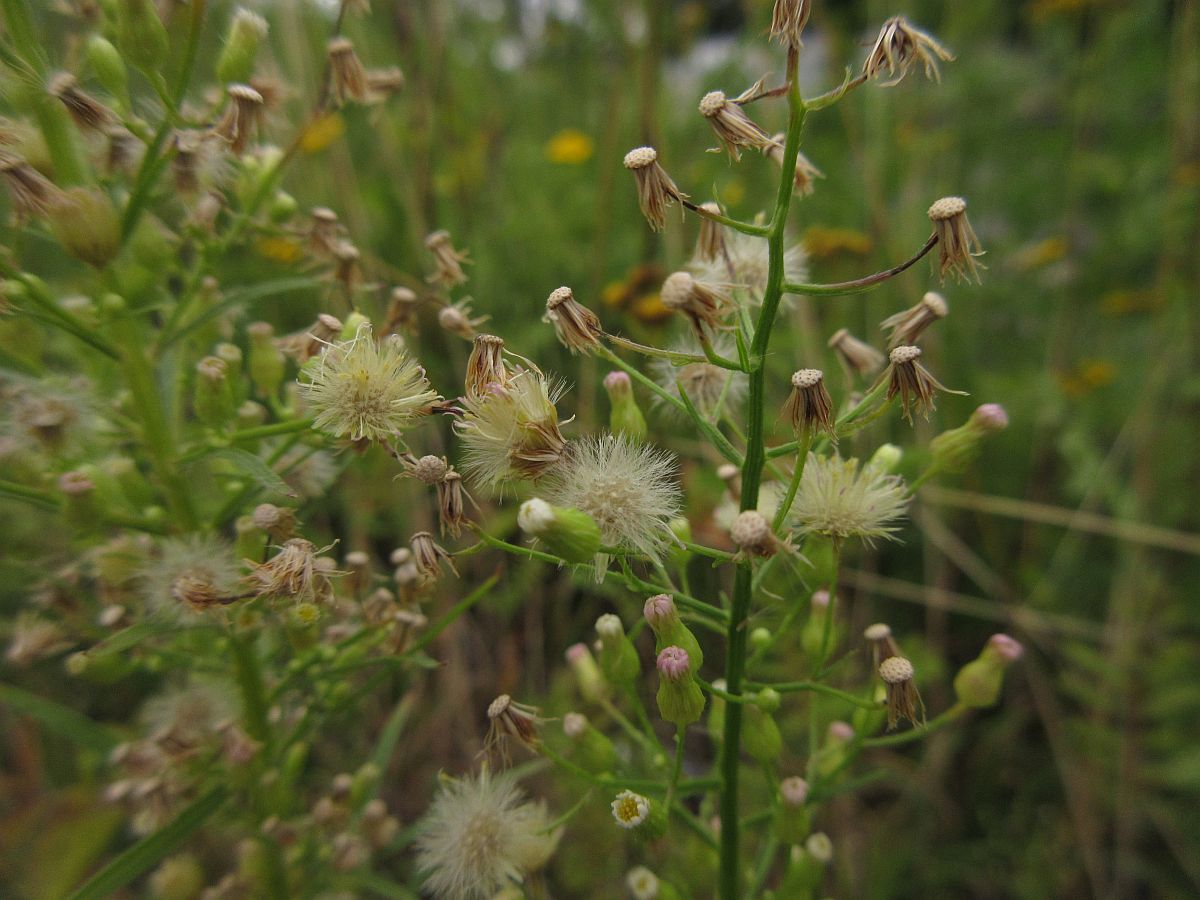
[267, 363]
[141, 35]
[760, 638]
[250, 414]
[566, 532]
[680, 700]
[590, 747]
[283, 207]
[679, 555]
[625, 417]
[886, 459]
[351, 325]
[768, 700]
[246, 33]
[716, 712]
[812, 634]
[955, 449]
[792, 819]
[618, 657]
[832, 755]
[178, 878]
[806, 867]
[212, 397]
[978, 683]
[86, 223]
[109, 69]
[588, 676]
[760, 735]
[669, 630]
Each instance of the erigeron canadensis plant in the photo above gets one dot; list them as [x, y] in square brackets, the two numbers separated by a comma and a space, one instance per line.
[186, 496]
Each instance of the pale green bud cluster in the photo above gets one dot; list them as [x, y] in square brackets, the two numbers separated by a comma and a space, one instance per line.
[566, 532]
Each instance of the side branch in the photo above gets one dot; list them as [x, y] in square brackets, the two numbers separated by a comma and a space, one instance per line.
[861, 284]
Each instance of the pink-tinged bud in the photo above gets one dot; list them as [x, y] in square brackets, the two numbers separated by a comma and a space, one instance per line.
[820, 600]
[841, 731]
[794, 790]
[660, 611]
[576, 652]
[673, 663]
[617, 383]
[1005, 648]
[574, 724]
[990, 417]
[588, 676]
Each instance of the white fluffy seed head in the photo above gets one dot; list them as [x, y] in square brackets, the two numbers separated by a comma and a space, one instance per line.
[839, 499]
[677, 290]
[896, 670]
[640, 157]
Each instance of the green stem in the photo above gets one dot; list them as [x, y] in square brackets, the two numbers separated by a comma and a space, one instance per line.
[730, 875]
[866, 283]
[677, 767]
[802, 446]
[250, 684]
[957, 711]
[831, 610]
[272, 430]
[735, 224]
[35, 496]
[792, 687]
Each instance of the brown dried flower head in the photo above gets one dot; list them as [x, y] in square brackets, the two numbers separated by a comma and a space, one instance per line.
[788, 19]
[898, 48]
[87, 112]
[279, 522]
[656, 190]
[449, 261]
[428, 555]
[458, 319]
[384, 83]
[451, 512]
[957, 244]
[577, 327]
[402, 311]
[295, 572]
[302, 346]
[710, 245]
[346, 265]
[753, 536]
[806, 172]
[913, 382]
[809, 406]
[242, 116]
[32, 193]
[907, 326]
[485, 366]
[510, 719]
[883, 645]
[903, 698]
[733, 127]
[348, 78]
[704, 303]
[857, 357]
[324, 231]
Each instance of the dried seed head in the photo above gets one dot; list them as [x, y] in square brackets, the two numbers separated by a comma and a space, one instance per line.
[883, 645]
[704, 303]
[430, 469]
[809, 406]
[656, 190]
[428, 555]
[906, 327]
[124, 149]
[449, 271]
[349, 78]
[325, 231]
[630, 809]
[278, 522]
[243, 115]
[840, 499]
[788, 19]
[402, 311]
[895, 670]
[509, 719]
[733, 127]
[32, 193]
[384, 83]
[577, 327]
[899, 47]
[302, 346]
[459, 320]
[957, 244]
[293, 573]
[752, 534]
[711, 245]
[913, 382]
[806, 172]
[903, 699]
[346, 264]
[451, 510]
[857, 357]
[88, 112]
[673, 663]
[485, 366]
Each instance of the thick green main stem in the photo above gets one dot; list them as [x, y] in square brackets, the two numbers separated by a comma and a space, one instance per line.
[730, 878]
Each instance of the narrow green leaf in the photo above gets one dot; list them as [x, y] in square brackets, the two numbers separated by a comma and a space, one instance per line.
[237, 297]
[58, 718]
[255, 468]
[153, 848]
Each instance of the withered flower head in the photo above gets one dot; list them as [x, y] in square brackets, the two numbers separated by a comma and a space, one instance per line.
[704, 303]
[302, 346]
[243, 115]
[296, 572]
[88, 112]
[883, 645]
[485, 366]
[346, 269]
[402, 312]
[753, 536]
[458, 319]
[577, 327]
[510, 719]
[279, 522]
[383, 83]
[428, 469]
[806, 172]
[710, 245]
[451, 512]
[903, 698]
[788, 19]
[449, 261]
[324, 231]
[428, 556]
[957, 244]
[906, 327]
[32, 193]
[656, 190]
[899, 47]
[913, 382]
[809, 405]
[857, 357]
[348, 77]
[733, 127]
[124, 149]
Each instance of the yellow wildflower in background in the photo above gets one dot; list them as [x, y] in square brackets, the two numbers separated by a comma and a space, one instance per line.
[823, 243]
[1041, 253]
[570, 147]
[1087, 376]
[279, 249]
[321, 133]
[1124, 302]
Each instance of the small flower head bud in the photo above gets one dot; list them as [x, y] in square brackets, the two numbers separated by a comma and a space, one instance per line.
[349, 78]
[242, 116]
[451, 509]
[630, 809]
[898, 48]
[886, 459]
[990, 417]
[956, 448]
[761, 737]
[278, 522]
[428, 555]
[31, 192]
[485, 366]
[673, 664]
[566, 532]
[266, 359]
[752, 534]
[812, 634]
[711, 244]
[402, 311]
[734, 129]
[618, 657]
[704, 303]
[794, 791]
[141, 35]
[761, 638]
[806, 172]
[642, 883]
[625, 416]
[660, 612]
[819, 847]
[87, 112]
[913, 382]
[791, 817]
[108, 65]
[87, 225]
[809, 406]
[663, 618]
[449, 271]
[609, 627]
[857, 357]
[907, 327]
[577, 327]
[957, 244]
[840, 732]
[246, 33]
[509, 719]
[903, 699]
[588, 676]
[978, 683]
[788, 19]
[656, 190]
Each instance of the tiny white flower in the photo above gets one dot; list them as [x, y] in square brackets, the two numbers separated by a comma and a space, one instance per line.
[642, 883]
[630, 809]
[839, 499]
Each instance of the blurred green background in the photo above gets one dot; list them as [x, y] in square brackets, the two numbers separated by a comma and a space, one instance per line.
[1073, 127]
